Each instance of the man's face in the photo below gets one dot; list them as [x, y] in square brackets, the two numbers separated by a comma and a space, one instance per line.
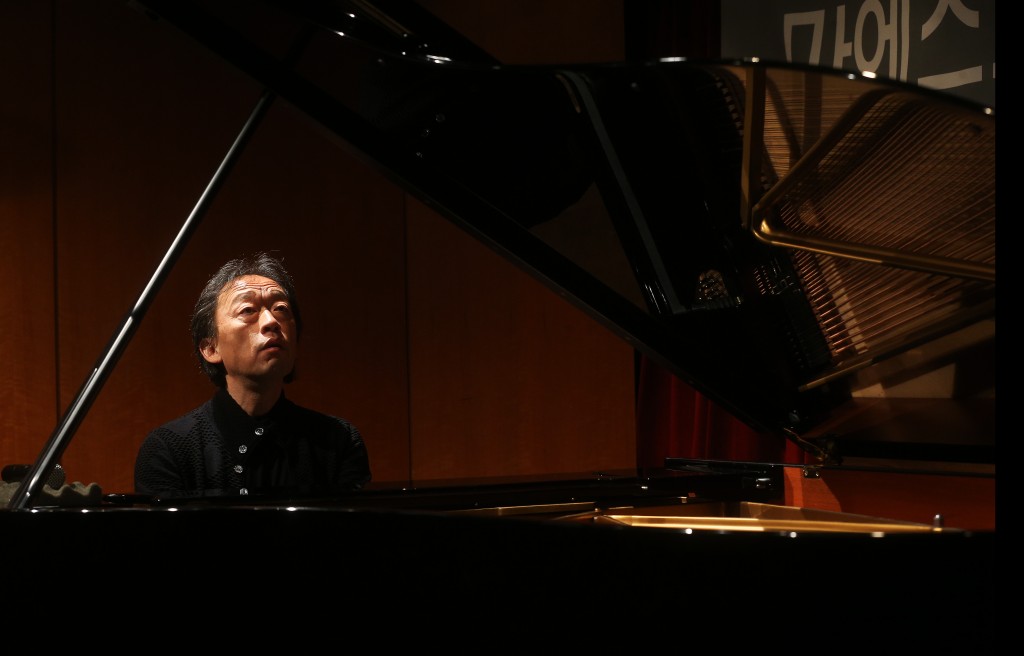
[255, 330]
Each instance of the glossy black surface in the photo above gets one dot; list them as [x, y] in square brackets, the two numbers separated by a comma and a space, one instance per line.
[495, 583]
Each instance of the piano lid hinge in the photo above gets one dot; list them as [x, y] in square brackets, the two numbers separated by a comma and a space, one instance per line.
[823, 448]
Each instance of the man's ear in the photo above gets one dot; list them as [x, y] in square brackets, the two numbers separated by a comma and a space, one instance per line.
[208, 347]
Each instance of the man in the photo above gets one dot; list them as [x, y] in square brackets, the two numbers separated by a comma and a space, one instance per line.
[249, 438]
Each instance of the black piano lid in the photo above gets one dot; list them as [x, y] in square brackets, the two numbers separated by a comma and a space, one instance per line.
[787, 239]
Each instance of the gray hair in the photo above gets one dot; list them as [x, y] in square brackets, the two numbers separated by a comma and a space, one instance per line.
[204, 316]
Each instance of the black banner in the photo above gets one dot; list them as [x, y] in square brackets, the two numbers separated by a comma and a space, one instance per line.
[947, 45]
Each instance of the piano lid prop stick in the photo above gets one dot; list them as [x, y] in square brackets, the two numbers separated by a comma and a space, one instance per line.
[32, 483]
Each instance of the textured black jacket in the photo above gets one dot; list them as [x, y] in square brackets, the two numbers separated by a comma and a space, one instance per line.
[219, 450]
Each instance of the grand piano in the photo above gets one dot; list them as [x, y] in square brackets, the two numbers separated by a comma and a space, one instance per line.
[798, 237]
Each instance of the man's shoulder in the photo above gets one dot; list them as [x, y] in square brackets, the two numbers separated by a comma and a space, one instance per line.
[186, 423]
[315, 418]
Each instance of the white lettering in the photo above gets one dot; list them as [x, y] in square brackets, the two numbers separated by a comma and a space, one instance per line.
[816, 19]
[843, 48]
[886, 37]
[951, 80]
[968, 17]
[905, 41]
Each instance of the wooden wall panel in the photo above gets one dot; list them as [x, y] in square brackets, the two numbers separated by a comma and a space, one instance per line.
[27, 413]
[507, 377]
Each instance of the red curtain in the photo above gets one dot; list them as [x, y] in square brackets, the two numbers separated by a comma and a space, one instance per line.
[676, 421]
[673, 419]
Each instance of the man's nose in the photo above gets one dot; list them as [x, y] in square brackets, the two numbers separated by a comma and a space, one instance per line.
[268, 321]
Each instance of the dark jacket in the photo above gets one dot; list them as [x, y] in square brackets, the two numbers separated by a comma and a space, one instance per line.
[219, 450]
